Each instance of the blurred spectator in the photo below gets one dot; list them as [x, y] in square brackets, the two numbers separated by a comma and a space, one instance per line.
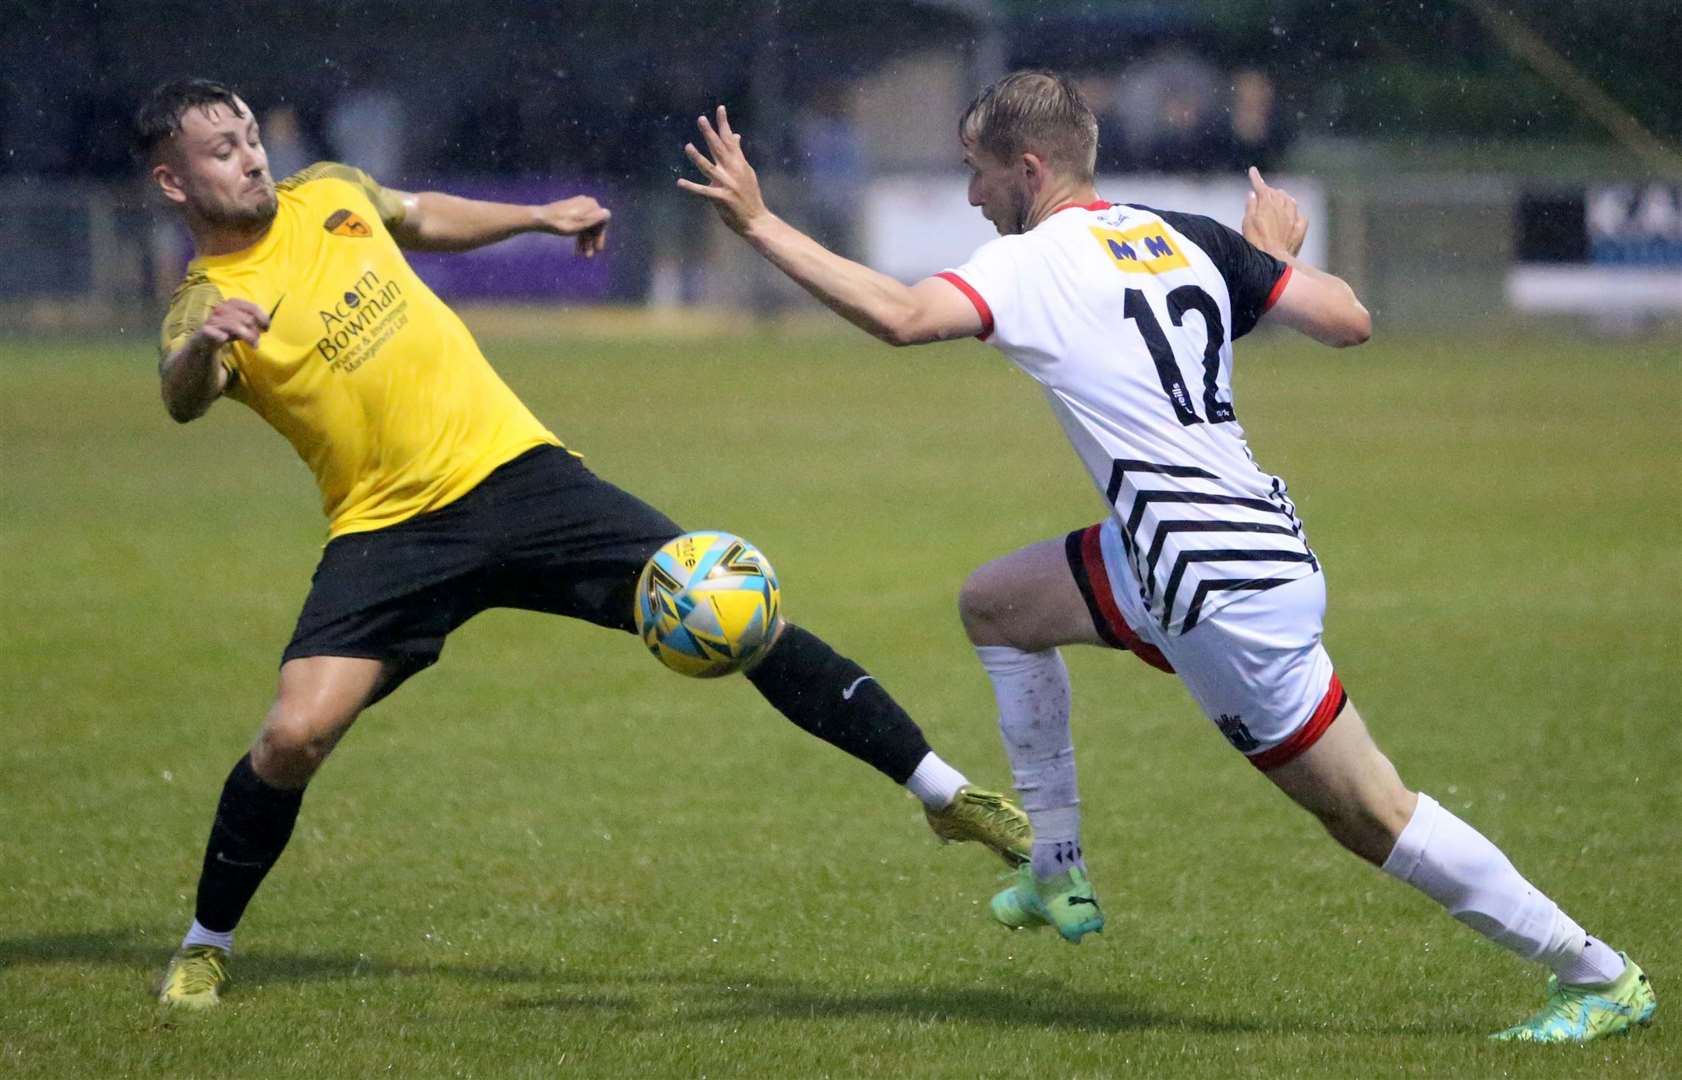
[1255, 134]
[283, 138]
[830, 160]
[365, 127]
[1168, 114]
[1100, 91]
[1169, 104]
[663, 236]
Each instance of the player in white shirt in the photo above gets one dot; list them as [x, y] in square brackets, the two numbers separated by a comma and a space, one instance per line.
[1126, 317]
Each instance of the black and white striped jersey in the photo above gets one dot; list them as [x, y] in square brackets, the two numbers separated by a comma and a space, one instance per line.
[1126, 317]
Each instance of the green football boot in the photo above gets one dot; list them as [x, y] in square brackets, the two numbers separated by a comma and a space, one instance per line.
[1583, 1013]
[987, 817]
[1065, 901]
[195, 977]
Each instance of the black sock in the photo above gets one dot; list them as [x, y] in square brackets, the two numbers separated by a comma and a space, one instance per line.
[829, 696]
[253, 823]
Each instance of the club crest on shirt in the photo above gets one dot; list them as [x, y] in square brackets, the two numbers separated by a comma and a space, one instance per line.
[1143, 249]
[346, 223]
[1236, 732]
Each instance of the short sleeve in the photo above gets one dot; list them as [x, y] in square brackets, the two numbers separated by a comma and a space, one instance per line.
[387, 203]
[188, 309]
[991, 279]
[1253, 278]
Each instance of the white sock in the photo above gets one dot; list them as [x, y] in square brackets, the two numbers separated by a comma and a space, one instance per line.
[1455, 865]
[1032, 690]
[1056, 847]
[198, 935]
[935, 782]
[1597, 963]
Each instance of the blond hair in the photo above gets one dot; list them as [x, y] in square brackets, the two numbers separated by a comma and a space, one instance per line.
[1037, 112]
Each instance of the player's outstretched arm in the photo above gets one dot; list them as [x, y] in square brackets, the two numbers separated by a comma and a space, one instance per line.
[900, 314]
[435, 221]
[191, 375]
[1318, 304]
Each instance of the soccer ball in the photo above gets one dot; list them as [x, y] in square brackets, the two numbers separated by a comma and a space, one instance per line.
[708, 604]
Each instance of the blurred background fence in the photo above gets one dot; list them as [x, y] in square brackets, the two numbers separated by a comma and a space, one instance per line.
[1442, 150]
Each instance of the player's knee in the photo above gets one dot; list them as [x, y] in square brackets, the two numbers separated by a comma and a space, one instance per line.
[291, 746]
[985, 608]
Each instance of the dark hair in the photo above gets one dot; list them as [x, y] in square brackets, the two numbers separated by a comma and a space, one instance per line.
[159, 116]
[1034, 111]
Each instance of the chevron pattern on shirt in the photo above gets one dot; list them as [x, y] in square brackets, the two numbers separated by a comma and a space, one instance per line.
[1182, 524]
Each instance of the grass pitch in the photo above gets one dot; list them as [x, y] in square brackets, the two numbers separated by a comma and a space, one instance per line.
[548, 856]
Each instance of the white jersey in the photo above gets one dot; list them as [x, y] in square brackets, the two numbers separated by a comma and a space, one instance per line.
[1126, 317]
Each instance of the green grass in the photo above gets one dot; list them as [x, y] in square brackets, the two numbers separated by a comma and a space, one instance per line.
[549, 857]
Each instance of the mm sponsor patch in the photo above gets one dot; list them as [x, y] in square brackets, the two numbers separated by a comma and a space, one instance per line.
[1145, 249]
[346, 223]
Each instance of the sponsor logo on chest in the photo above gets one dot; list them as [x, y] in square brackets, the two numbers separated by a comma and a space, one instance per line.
[1143, 249]
[361, 321]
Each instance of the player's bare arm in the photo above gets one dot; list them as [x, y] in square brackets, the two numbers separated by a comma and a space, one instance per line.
[899, 314]
[1316, 303]
[192, 376]
[436, 221]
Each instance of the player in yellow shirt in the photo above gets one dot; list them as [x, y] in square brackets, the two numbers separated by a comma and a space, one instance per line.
[444, 495]
[375, 382]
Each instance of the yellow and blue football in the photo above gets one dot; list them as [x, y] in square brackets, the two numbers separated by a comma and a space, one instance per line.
[708, 604]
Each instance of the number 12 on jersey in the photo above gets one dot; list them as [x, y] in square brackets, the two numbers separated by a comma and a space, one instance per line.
[1181, 300]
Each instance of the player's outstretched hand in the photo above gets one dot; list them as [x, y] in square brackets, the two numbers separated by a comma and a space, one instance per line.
[234, 320]
[1272, 221]
[731, 184]
[581, 217]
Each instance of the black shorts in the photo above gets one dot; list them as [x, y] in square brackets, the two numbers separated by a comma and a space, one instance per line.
[542, 533]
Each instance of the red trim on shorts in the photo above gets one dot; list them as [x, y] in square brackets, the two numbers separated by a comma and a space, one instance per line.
[1278, 289]
[1310, 731]
[981, 307]
[1092, 556]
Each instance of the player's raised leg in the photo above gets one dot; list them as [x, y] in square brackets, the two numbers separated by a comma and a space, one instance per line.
[317, 700]
[577, 545]
[1348, 783]
[1017, 610]
[833, 698]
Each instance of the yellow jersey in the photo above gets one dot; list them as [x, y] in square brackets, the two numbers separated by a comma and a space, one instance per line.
[373, 380]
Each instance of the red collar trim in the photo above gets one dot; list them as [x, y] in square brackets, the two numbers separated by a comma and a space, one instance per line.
[1098, 205]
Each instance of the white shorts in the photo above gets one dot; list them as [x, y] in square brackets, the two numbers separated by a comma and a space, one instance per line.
[1256, 666]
